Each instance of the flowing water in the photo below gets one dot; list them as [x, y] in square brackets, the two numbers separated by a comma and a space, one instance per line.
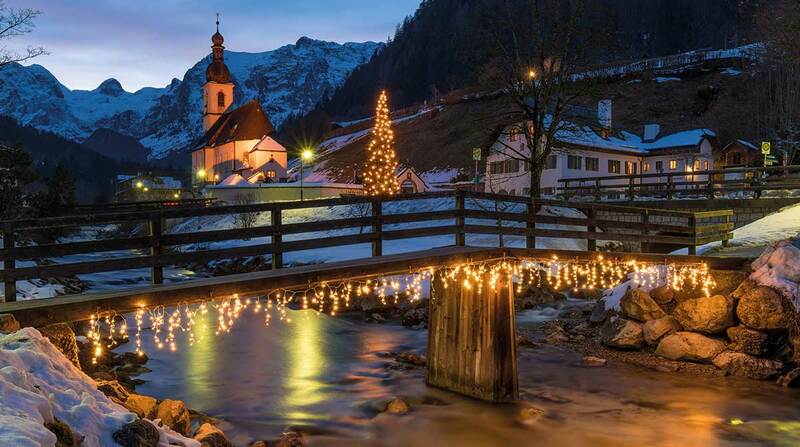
[325, 374]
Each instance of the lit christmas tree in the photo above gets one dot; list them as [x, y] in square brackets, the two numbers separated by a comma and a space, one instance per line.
[381, 167]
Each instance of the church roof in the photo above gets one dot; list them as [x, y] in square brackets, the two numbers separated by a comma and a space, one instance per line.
[268, 144]
[248, 122]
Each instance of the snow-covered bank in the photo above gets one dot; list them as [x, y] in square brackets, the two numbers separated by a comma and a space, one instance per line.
[38, 384]
[751, 239]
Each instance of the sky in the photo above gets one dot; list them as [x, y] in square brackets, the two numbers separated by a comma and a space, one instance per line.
[147, 43]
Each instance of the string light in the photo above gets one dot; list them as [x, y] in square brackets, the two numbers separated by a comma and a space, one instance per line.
[327, 297]
[381, 166]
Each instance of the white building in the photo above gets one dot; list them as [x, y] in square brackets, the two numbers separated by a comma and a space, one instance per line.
[593, 151]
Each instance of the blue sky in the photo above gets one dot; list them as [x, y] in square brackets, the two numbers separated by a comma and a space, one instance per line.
[149, 42]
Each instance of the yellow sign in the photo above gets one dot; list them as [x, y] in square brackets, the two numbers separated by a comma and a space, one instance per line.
[766, 147]
[476, 154]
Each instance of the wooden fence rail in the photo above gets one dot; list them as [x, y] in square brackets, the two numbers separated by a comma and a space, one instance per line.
[677, 184]
[471, 214]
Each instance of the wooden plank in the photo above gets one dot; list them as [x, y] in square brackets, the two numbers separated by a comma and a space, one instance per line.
[72, 248]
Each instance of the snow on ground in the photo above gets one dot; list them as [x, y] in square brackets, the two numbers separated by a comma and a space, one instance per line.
[779, 267]
[662, 80]
[751, 239]
[38, 384]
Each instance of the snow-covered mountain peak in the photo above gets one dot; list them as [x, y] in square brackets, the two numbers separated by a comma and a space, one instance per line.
[110, 87]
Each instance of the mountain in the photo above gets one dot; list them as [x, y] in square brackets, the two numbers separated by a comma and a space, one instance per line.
[117, 146]
[290, 79]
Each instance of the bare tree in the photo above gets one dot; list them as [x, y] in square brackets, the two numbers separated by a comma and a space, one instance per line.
[15, 22]
[542, 47]
[246, 219]
[779, 96]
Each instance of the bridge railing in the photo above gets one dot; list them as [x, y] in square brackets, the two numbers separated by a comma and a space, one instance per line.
[467, 215]
[680, 184]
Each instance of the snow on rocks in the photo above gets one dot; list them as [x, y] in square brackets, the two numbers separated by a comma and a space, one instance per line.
[39, 384]
[779, 267]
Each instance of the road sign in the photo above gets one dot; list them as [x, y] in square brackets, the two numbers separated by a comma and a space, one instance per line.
[766, 147]
[476, 154]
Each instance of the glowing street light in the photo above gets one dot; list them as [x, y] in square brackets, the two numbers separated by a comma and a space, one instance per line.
[201, 174]
[139, 184]
[532, 74]
[306, 155]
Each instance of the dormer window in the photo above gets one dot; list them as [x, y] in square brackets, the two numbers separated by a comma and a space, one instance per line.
[221, 99]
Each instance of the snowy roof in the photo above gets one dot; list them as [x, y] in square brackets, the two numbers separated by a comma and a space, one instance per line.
[268, 144]
[153, 182]
[234, 180]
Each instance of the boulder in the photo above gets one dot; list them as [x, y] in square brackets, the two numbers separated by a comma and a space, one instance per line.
[290, 439]
[65, 437]
[599, 312]
[790, 379]
[62, 337]
[689, 346]
[143, 406]
[415, 317]
[726, 281]
[210, 436]
[663, 295]
[113, 390]
[397, 406]
[794, 342]
[744, 365]
[707, 315]
[637, 305]
[8, 323]
[622, 334]
[748, 341]
[655, 330]
[534, 296]
[138, 433]
[594, 362]
[763, 308]
[173, 413]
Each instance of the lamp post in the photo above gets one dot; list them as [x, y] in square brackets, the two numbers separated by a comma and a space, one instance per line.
[305, 156]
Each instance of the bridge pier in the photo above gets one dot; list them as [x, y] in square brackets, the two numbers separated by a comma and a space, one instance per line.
[472, 347]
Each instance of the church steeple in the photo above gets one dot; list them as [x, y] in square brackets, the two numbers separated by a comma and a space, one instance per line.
[218, 90]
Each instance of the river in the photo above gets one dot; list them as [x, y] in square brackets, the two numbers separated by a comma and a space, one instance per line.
[326, 375]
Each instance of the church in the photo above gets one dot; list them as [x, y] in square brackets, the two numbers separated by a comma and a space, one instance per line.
[236, 142]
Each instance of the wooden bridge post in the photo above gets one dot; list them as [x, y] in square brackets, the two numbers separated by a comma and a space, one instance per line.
[156, 248]
[631, 193]
[670, 187]
[471, 340]
[9, 285]
[277, 238]
[377, 227]
[530, 225]
[693, 230]
[645, 244]
[461, 236]
[597, 195]
[591, 243]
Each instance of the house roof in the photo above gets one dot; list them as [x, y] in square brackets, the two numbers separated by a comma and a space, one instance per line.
[268, 144]
[742, 143]
[248, 122]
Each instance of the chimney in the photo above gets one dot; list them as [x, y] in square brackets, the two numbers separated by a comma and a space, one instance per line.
[604, 113]
[651, 132]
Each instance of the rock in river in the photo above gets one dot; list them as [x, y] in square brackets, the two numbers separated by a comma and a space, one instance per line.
[655, 330]
[174, 414]
[637, 305]
[749, 341]
[622, 334]
[744, 365]
[762, 308]
[689, 346]
[707, 315]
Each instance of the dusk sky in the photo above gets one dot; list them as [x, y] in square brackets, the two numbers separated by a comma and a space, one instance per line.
[147, 43]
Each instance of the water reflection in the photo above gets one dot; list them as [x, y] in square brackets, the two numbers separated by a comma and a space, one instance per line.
[305, 352]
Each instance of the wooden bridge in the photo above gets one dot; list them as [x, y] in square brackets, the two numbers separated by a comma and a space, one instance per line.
[471, 343]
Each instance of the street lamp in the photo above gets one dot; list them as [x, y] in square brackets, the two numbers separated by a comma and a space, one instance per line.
[139, 184]
[201, 174]
[305, 156]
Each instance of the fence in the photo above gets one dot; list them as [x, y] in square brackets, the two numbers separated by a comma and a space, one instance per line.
[670, 185]
[488, 214]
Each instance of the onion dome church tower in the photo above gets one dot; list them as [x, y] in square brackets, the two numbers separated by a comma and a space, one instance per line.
[218, 89]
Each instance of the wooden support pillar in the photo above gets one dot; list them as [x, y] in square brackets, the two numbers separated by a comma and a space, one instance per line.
[645, 231]
[461, 236]
[693, 232]
[377, 227]
[9, 285]
[156, 229]
[472, 347]
[591, 243]
[530, 225]
[277, 238]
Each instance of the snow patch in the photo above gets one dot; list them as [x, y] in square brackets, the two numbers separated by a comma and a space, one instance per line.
[779, 267]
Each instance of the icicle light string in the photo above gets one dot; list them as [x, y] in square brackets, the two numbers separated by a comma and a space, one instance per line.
[331, 297]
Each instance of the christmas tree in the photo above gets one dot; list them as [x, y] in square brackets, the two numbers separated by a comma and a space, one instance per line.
[381, 167]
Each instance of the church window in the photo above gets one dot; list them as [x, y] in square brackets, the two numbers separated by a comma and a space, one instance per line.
[221, 99]
[271, 174]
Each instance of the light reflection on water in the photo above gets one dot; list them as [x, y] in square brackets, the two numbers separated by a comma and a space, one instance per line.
[323, 372]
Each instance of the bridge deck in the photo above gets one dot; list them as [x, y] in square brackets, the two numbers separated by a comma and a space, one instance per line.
[80, 307]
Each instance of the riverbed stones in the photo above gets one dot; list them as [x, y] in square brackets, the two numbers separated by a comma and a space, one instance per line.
[663, 295]
[790, 379]
[173, 413]
[8, 323]
[622, 334]
[763, 308]
[599, 312]
[415, 317]
[65, 437]
[537, 295]
[690, 347]
[290, 439]
[707, 315]
[593, 362]
[138, 433]
[655, 330]
[746, 340]
[113, 390]
[637, 305]
[210, 436]
[62, 337]
[397, 406]
[143, 406]
[745, 365]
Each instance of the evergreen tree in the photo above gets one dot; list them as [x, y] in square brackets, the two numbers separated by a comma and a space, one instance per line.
[381, 167]
[16, 172]
[59, 197]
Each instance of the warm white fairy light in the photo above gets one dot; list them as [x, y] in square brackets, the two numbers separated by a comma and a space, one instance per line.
[381, 166]
[332, 298]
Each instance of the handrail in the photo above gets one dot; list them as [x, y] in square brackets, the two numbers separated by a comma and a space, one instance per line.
[791, 168]
[157, 249]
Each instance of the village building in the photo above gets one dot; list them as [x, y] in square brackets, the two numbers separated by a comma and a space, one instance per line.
[235, 141]
[739, 154]
[410, 182]
[583, 151]
[145, 186]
